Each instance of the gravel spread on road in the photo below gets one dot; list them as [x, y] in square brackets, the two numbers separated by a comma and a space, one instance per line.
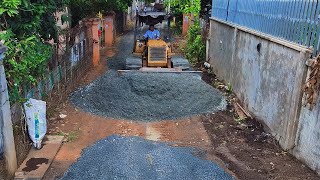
[144, 96]
[148, 96]
[134, 158]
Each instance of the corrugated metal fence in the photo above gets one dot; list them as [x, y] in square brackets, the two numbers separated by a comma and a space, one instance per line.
[293, 20]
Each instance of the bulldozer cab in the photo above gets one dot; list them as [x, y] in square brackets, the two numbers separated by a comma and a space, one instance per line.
[154, 53]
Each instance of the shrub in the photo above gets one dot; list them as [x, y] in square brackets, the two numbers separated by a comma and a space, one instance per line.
[25, 62]
[196, 47]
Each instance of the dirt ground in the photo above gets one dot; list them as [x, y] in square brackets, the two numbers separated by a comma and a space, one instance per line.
[251, 153]
[243, 149]
[247, 150]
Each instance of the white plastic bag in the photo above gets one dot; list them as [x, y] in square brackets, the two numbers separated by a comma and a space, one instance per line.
[36, 120]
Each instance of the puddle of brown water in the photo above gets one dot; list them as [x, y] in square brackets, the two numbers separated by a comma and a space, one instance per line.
[34, 163]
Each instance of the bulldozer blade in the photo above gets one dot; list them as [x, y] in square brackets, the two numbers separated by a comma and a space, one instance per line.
[133, 63]
[161, 70]
[180, 62]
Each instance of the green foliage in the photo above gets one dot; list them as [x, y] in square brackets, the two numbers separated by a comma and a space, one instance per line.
[10, 7]
[24, 24]
[25, 62]
[192, 6]
[229, 88]
[28, 24]
[185, 6]
[178, 7]
[30, 17]
[196, 47]
[72, 136]
[83, 8]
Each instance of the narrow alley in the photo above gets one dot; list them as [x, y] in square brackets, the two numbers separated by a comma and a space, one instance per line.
[160, 90]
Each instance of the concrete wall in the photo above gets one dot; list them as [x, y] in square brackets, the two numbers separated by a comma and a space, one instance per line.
[267, 75]
[308, 140]
[9, 151]
[1, 117]
[3, 171]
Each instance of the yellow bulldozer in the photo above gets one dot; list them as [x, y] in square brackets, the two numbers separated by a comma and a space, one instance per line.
[151, 54]
[154, 53]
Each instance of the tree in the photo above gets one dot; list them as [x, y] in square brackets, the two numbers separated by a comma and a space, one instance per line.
[26, 25]
[24, 36]
[30, 17]
[185, 6]
[83, 8]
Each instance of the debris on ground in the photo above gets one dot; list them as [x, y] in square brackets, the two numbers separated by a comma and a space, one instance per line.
[250, 152]
[134, 158]
[149, 96]
[240, 111]
[312, 86]
[62, 116]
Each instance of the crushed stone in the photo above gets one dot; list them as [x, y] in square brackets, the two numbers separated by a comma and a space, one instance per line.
[134, 158]
[148, 96]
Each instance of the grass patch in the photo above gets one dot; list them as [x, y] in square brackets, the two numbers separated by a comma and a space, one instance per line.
[73, 136]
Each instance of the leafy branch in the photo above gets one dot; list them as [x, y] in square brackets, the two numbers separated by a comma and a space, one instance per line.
[25, 62]
[196, 46]
[185, 6]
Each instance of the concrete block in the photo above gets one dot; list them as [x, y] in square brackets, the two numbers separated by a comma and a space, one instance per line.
[133, 63]
[307, 147]
[6, 129]
[38, 161]
[180, 62]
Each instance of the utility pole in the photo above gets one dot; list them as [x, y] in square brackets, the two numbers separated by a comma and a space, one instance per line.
[5, 117]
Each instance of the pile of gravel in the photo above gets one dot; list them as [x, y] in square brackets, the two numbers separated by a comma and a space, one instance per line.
[124, 49]
[134, 158]
[148, 96]
[180, 62]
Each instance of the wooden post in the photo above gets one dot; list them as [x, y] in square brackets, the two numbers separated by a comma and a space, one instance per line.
[5, 117]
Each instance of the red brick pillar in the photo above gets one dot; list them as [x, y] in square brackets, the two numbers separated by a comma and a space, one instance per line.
[109, 20]
[92, 25]
[185, 24]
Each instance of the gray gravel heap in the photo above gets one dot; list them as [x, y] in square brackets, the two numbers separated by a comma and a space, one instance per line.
[124, 49]
[180, 62]
[148, 96]
[133, 158]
